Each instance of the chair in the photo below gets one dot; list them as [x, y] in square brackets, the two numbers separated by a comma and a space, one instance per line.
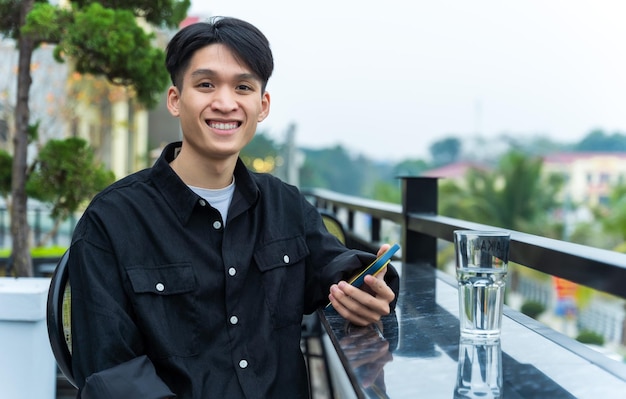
[334, 226]
[58, 318]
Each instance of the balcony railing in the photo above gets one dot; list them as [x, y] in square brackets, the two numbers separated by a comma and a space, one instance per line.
[420, 228]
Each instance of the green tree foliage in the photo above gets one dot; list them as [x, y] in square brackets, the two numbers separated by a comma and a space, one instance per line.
[590, 337]
[539, 144]
[102, 38]
[332, 169]
[445, 151]
[159, 13]
[532, 309]
[598, 140]
[6, 160]
[261, 147]
[614, 216]
[103, 41]
[387, 192]
[410, 167]
[514, 196]
[10, 16]
[592, 233]
[67, 175]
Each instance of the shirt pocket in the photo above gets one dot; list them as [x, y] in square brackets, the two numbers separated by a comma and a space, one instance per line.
[166, 308]
[282, 264]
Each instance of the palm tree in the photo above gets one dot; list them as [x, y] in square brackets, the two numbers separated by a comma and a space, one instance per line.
[614, 216]
[516, 195]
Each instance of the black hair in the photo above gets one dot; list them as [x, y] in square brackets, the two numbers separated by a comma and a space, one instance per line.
[247, 42]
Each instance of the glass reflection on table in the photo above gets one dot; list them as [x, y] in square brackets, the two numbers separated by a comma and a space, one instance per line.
[479, 373]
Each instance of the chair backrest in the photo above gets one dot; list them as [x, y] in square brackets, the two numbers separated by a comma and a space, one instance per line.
[333, 225]
[58, 318]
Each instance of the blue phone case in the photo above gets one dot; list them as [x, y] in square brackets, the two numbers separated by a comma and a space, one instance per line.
[375, 267]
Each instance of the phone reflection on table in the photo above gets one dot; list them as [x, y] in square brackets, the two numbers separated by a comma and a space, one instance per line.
[479, 372]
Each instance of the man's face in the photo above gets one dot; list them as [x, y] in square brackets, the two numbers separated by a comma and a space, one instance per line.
[220, 104]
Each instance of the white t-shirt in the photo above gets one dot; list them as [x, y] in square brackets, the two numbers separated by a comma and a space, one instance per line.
[219, 199]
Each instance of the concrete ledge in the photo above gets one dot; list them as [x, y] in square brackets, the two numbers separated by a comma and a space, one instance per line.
[24, 298]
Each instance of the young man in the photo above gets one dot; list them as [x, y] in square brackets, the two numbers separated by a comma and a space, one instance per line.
[190, 278]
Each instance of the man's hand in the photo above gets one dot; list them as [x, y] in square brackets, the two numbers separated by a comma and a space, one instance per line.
[365, 305]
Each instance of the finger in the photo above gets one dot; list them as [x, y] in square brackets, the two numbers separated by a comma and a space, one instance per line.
[380, 288]
[366, 297]
[360, 303]
[383, 248]
[381, 274]
[355, 305]
[349, 315]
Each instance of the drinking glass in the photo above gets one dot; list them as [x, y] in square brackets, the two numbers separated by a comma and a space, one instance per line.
[481, 267]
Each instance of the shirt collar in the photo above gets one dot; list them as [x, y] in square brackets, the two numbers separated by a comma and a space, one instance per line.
[180, 197]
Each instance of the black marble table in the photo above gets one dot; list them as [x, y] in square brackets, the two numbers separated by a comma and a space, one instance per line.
[414, 353]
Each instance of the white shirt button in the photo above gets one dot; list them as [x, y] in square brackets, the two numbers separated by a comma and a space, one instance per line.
[217, 225]
[286, 258]
[160, 287]
[202, 202]
[234, 320]
[232, 271]
[243, 363]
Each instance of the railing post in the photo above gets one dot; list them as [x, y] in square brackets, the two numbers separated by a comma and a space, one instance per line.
[375, 230]
[419, 195]
[37, 225]
[2, 226]
[350, 220]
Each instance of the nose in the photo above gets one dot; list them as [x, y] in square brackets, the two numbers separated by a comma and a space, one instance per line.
[224, 100]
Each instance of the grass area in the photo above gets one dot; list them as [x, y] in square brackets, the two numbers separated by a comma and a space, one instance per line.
[35, 253]
[39, 252]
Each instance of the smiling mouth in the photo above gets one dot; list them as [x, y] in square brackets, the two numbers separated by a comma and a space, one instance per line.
[223, 125]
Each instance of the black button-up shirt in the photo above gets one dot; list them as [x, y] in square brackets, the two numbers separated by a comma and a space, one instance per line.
[216, 310]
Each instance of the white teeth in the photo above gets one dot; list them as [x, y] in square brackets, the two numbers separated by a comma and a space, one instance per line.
[223, 126]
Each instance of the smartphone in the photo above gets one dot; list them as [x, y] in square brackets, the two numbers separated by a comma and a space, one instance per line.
[375, 267]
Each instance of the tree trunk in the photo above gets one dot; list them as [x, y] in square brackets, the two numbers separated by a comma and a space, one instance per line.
[22, 262]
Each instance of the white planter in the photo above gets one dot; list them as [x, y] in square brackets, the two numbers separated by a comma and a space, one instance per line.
[27, 366]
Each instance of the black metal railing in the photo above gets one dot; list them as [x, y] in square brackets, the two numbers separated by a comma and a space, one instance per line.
[420, 228]
[40, 223]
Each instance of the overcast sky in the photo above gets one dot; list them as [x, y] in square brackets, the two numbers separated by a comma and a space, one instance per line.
[389, 78]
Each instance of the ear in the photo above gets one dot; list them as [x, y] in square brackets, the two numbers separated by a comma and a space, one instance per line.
[173, 101]
[265, 107]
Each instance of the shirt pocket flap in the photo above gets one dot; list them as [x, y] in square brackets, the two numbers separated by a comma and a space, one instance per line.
[280, 253]
[162, 280]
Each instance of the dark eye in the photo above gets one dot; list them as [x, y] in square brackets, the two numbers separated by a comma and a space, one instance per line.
[244, 88]
[206, 85]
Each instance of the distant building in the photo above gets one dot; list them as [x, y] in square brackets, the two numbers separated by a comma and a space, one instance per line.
[589, 176]
[190, 20]
[454, 171]
[48, 104]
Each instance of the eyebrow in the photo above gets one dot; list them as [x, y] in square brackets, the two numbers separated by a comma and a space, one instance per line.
[210, 72]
